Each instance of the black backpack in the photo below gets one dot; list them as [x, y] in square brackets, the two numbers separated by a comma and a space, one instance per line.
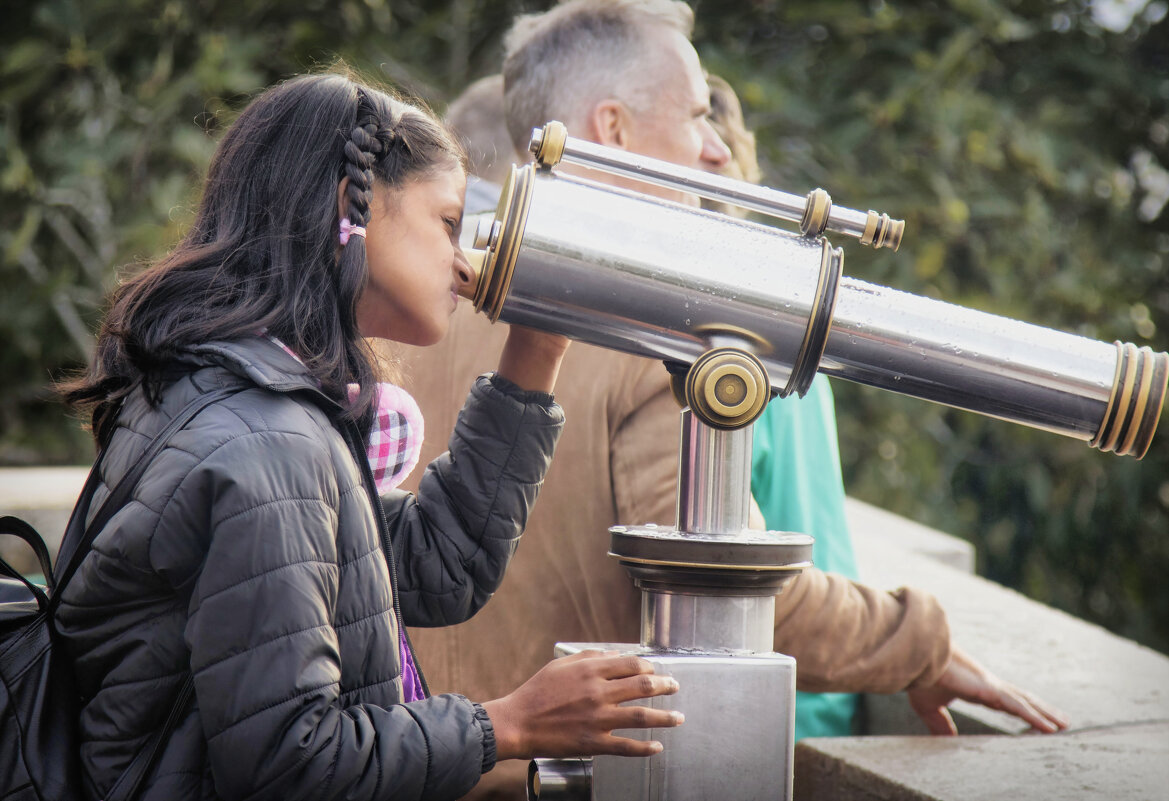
[39, 706]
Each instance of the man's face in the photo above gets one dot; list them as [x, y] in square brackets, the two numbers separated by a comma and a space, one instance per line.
[676, 127]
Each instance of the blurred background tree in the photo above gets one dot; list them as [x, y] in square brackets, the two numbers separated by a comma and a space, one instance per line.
[1024, 142]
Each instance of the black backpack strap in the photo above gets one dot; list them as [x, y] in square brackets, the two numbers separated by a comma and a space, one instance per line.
[17, 527]
[75, 529]
[129, 783]
[121, 493]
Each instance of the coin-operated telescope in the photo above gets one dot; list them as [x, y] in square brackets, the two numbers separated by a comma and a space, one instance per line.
[746, 311]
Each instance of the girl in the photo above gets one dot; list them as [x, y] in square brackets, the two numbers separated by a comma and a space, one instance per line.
[256, 554]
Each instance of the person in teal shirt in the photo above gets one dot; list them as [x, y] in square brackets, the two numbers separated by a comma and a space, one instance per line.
[795, 472]
[796, 481]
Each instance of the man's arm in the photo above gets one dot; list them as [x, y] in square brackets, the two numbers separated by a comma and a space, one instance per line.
[645, 443]
[847, 637]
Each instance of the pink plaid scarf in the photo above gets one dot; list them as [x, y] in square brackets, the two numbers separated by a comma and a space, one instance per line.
[396, 439]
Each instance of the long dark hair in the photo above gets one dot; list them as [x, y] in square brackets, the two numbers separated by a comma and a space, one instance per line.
[263, 250]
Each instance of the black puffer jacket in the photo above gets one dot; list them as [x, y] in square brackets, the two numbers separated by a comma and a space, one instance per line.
[251, 554]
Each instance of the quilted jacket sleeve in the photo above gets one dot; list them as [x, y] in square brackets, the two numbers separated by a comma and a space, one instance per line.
[453, 540]
[265, 654]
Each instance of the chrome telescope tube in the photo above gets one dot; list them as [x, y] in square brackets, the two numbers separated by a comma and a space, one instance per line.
[814, 212]
[628, 272]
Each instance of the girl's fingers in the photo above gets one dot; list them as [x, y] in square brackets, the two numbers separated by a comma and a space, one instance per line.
[647, 685]
[632, 716]
[643, 717]
[619, 667]
[623, 746]
[588, 653]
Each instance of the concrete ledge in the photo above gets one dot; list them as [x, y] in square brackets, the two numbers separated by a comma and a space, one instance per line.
[44, 497]
[1119, 762]
[1094, 676]
[1115, 692]
[877, 527]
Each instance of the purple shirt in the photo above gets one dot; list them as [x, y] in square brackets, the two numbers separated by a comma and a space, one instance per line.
[411, 682]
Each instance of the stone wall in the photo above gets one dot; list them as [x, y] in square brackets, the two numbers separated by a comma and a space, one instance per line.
[1115, 692]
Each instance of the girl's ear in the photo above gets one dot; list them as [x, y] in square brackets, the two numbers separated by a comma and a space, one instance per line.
[609, 124]
[342, 199]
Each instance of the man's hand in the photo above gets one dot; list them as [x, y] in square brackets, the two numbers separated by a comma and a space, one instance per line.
[966, 679]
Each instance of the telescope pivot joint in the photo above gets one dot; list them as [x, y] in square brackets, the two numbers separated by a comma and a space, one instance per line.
[727, 388]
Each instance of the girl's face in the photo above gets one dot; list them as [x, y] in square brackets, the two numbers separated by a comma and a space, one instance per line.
[415, 263]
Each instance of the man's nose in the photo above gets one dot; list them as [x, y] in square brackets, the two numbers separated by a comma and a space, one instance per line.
[715, 153]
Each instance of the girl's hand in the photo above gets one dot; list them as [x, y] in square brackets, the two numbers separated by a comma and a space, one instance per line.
[531, 359]
[572, 706]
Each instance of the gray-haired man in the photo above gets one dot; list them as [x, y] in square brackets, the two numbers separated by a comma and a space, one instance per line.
[624, 74]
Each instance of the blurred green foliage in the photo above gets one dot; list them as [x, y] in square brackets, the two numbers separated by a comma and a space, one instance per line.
[1024, 144]
[1023, 141]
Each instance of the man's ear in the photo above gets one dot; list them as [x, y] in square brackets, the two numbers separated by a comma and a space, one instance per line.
[342, 199]
[610, 123]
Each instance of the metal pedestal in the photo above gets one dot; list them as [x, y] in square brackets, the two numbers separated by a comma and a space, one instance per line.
[707, 619]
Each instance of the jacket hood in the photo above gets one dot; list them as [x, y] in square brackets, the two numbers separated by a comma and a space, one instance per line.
[264, 363]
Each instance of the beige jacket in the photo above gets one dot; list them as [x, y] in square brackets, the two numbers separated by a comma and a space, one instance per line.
[617, 463]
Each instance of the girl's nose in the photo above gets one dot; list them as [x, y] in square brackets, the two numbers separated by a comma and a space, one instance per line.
[468, 266]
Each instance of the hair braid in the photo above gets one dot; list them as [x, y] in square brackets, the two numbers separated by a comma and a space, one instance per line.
[361, 152]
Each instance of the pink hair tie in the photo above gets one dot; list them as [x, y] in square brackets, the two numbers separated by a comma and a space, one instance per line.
[348, 229]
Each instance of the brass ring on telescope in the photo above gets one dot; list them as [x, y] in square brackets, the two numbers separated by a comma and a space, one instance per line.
[819, 322]
[882, 231]
[794, 567]
[1135, 402]
[1159, 384]
[511, 215]
[1105, 436]
[816, 213]
[1140, 402]
[547, 144]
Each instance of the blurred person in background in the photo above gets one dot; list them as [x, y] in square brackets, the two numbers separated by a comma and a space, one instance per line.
[477, 118]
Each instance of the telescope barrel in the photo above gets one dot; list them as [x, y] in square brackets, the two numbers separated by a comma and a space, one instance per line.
[628, 272]
[993, 365]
